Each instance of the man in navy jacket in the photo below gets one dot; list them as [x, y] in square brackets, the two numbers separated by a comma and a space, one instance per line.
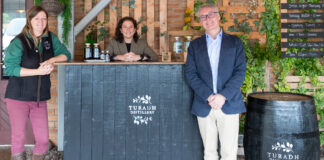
[215, 70]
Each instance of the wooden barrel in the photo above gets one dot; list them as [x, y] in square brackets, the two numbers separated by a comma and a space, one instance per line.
[281, 126]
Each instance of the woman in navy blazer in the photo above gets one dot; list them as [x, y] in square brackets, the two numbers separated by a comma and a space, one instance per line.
[217, 95]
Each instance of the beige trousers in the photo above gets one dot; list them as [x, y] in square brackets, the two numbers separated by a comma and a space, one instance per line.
[226, 127]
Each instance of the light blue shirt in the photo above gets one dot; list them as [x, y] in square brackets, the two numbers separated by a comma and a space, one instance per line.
[213, 47]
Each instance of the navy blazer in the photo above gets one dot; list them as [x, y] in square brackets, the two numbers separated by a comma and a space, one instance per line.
[231, 74]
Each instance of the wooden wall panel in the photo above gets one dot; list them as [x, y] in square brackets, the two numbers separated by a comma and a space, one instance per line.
[98, 123]
[112, 17]
[138, 15]
[158, 26]
[125, 8]
[150, 23]
[72, 118]
[87, 8]
[86, 113]
[164, 46]
[101, 18]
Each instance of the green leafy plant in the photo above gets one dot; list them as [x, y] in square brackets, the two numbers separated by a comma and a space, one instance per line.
[271, 27]
[243, 26]
[255, 68]
[97, 31]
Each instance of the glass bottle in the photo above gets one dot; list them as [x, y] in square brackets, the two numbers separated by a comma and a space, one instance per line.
[186, 44]
[102, 55]
[87, 52]
[96, 51]
[107, 56]
[177, 48]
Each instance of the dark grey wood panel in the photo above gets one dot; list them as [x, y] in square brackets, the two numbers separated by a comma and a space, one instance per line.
[109, 112]
[129, 112]
[97, 112]
[72, 113]
[86, 112]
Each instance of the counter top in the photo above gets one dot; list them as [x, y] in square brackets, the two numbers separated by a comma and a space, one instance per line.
[116, 63]
[113, 63]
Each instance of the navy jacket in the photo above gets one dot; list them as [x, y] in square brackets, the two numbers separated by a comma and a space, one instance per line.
[231, 74]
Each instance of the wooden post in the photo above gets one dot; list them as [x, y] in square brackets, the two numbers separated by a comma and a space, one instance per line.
[138, 15]
[87, 9]
[163, 27]
[150, 23]
[125, 8]
[112, 17]
[101, 18]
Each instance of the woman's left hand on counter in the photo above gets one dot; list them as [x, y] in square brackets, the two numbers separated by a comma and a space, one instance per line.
[132, 57]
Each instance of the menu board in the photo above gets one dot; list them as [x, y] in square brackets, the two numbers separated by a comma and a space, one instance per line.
[302, 30]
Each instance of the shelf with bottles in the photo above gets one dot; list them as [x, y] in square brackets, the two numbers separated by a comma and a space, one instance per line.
[178, 44]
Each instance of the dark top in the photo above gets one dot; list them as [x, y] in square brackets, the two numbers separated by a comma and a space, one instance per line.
[128, 45]
[31, 88]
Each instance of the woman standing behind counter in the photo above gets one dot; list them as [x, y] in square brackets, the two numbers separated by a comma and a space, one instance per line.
[29, 61]
[126, 45]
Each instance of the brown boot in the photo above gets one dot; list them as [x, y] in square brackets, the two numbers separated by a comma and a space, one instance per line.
[38, 156]
[19, 156]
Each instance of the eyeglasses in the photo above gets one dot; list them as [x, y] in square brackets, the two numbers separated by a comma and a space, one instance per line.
[209, 15]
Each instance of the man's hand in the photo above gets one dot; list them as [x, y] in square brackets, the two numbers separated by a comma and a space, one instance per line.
[216, 101]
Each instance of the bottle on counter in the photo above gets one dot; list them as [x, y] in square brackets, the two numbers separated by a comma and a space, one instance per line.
[96, 51]
[102, 55]
[177, 49]
[107, 56]
[87, 52]
[186, 44]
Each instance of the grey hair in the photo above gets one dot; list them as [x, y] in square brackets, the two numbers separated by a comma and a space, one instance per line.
[207, 6]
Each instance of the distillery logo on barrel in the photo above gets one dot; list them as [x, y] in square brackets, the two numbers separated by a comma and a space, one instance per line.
[282, 151]
[142, 109]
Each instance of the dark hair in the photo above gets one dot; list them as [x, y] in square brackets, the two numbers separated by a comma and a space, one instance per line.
[119, 36]
[32, 12]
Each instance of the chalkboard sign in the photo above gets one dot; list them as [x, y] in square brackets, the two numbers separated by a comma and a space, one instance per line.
[302, 15]
[302, 44]
[302, 25]
[301, 6]
[302, 54]
[312, 41]
[303, 35]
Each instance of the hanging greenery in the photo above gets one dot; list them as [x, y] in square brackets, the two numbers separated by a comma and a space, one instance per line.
[66, 25]
[66, 16]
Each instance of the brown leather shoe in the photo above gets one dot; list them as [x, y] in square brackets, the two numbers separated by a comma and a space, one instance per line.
[19, 156]
[38, 156]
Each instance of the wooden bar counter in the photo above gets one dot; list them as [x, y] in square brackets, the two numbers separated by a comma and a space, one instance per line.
[128, 111]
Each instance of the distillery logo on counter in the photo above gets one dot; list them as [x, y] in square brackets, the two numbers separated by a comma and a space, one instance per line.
[282, 151]
[142, 109]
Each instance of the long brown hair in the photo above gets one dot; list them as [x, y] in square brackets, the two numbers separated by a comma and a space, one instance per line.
[32, 12]
[119, 36]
